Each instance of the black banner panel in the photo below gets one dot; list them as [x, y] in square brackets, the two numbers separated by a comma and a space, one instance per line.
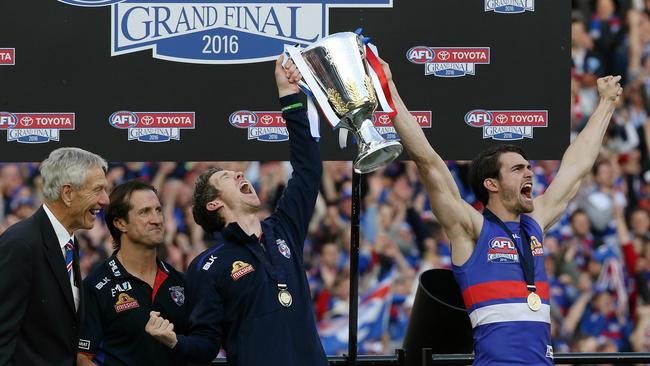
[190, 80]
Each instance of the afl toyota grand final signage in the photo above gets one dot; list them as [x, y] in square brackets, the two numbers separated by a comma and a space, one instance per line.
[189, 80]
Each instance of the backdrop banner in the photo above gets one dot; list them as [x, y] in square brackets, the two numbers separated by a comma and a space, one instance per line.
[191, 80]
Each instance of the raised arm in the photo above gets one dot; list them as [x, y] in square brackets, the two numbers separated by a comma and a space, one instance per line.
[296, 205]
[461, 221]
[579, 157]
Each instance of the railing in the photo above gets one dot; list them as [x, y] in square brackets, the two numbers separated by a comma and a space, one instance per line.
[559, 358]
[466, 359]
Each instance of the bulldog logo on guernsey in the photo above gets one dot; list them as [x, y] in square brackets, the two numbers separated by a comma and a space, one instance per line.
[449, 62]
[7, 56]
[240, 269]
[509, 6]
[218, 31]
[35, 128]
[178, 294]
[502, 250]
[384, 125]
[125, 302]
[283, 248]
[153, 126]
[507, 125]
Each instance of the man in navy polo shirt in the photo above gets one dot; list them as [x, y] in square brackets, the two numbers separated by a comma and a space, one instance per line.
[249, 293]
[133, 282]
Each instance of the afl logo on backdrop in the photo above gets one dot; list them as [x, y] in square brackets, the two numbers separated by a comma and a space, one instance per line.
[7, 120]
[218, 31]
[123, 119]
[243, 119]
[478, 118]
[420, 55]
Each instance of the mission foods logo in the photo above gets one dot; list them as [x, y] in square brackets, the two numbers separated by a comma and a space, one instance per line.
[7, 56]
[153, 126]
[35, 128]
[240, 269]
[271, 126]
[218, 31]
[125, 302]
[449, 61]
[507, 125]
[509, 6]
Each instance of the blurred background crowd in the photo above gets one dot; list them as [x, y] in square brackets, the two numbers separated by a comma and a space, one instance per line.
[597, 255]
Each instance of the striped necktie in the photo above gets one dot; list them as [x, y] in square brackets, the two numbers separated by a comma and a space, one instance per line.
[68, 257]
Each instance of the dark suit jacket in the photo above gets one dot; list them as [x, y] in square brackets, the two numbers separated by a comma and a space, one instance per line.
[38, 321]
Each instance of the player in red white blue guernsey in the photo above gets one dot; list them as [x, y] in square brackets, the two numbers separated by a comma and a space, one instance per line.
[498, 256]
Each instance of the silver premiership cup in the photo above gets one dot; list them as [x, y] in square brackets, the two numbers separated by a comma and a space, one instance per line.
[338, 63]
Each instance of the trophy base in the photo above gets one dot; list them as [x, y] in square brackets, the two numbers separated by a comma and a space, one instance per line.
[376, 155]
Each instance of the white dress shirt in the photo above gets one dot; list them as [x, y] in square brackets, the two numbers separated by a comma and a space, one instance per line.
[63, 237]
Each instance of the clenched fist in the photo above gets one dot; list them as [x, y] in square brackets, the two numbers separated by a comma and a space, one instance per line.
[609, 88]
[161, 329]
[287, 77]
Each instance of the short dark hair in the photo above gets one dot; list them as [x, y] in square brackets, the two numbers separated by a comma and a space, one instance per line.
[600, 162]
[578, 211]
[487, 165]
[120, 205]
[205, 192]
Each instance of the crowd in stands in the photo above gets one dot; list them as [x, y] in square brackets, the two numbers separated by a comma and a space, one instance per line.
[597, 255]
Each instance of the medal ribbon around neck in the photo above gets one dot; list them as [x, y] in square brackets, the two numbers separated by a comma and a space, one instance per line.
[273, 268]
[526, 259]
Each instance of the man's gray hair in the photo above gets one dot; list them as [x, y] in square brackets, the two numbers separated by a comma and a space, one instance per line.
[68, 165]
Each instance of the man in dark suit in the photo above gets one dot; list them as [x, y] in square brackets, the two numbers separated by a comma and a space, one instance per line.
[40, 281]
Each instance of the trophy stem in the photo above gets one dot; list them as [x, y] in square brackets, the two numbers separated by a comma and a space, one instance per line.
[374, 150]
[368, 133]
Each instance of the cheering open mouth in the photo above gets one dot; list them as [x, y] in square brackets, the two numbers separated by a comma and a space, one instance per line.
[527, 190]
[245, 187]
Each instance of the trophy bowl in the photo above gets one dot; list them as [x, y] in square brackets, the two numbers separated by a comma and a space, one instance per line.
[338, 63]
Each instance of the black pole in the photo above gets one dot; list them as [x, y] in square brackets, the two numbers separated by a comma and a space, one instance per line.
[354, 268]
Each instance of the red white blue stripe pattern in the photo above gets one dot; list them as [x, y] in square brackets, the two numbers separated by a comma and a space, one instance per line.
[69, 247]
[506, 330]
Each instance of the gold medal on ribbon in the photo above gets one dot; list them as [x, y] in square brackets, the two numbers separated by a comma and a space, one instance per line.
[285, 298]
[534, 301]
